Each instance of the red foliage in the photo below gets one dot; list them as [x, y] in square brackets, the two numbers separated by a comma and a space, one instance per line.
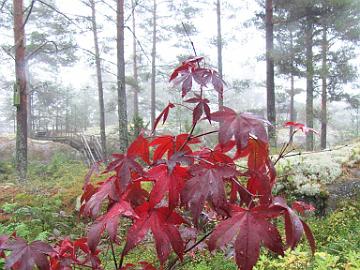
[186, 182]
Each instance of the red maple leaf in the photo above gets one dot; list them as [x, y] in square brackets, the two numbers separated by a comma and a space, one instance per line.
[164, 114]
[294, 226]
[25, 256]
[241, 127]
[139, 148]
[166, 180]
[140, 266]
[124, 165]
[163, 224]
[109, 222]
[299, 126]
[68, 255]
[189, 70]
[171, 144]
[200, 108]
[302, 207]
[107, 190]
[207, 183]
[185, 66]
[252, 229]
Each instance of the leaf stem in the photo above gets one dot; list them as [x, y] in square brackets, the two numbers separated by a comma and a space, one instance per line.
[113, 254]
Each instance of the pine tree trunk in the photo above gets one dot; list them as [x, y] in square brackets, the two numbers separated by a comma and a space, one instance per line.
[324, 46]
[99, 81]
[270, 85]
[309, 83]
[153, 67]
[122, 107]
[21, 109]
[219, 49]
[135, 74]
[292, 88]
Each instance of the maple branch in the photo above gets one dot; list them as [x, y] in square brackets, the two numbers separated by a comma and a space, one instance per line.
[188, 137]
[113, 254]
[182, 105]
[284, 147]
[174, 261]
[204, 134]
[315, 152]
[121, 258]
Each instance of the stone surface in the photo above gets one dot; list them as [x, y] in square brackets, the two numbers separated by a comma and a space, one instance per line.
[346, 189]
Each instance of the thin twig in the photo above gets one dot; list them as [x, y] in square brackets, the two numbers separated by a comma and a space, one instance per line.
[188, 36]
[29, 13]
[113, 254]
[315, 152]
[173, 262]
[40, 47]
[2, 5]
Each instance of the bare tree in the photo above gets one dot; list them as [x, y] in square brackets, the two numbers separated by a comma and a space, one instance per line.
[122, 106]
[153, 67]
[270, 85]
[20, 90]
[99, 79]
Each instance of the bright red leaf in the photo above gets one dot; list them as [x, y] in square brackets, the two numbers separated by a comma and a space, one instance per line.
[299, 126]
[139, 148]
[302, 207]
[167, 181]
[172, 144]
[164, 114]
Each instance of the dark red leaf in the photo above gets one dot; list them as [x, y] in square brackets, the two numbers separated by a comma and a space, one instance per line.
[217, 82]
[109, 222]
[294, 227]
[251, 230]
[25, 256]
[241, 127]
[163, 224]
[124, 166]
[207, 183]
[309, 236]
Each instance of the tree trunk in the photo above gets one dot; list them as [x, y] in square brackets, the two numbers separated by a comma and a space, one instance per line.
[309, 83]
[99, 81]
[219, 49]
[153, 68]
[21, 109]
[270, 85]
[324, 46]
[292, 88]
[122, 107]
[135, 74]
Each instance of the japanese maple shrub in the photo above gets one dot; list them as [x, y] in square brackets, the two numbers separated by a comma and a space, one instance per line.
[187, 181]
